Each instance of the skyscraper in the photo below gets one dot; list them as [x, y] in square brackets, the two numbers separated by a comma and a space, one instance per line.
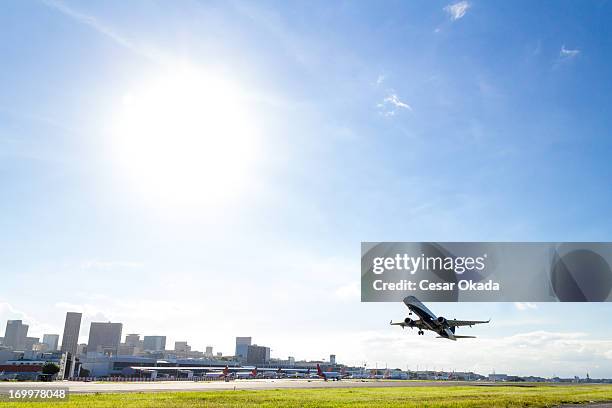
[132, 340]
[15, 334]
[30, 342]
[154, 343]
[72, 327]
[51, 340]
[104, 337]
[182, 346]
[258, 354]
[242, 346]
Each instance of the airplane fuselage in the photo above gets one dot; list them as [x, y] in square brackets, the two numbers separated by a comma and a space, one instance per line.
[427, 320]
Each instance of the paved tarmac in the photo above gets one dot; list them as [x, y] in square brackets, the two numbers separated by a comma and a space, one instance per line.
[77, 387]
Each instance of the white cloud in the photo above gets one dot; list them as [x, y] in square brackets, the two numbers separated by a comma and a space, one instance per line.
[380, 79]
[8, 312]
[533, 353]
[568, 53]
[457, 10]
[391, 104]
[525, 306]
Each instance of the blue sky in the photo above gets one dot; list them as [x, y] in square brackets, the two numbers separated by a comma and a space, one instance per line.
[402, 121]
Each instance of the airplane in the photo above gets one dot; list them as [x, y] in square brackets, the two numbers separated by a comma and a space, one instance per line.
[225, 374]
[428, 321]
[327, 375]
[247, 374]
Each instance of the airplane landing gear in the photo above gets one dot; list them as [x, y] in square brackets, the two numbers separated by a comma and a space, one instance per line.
[421, 332]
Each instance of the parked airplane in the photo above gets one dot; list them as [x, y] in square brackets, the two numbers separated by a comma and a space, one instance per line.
[225, 374]
[328, 375]
[428, 321]
[247, 374]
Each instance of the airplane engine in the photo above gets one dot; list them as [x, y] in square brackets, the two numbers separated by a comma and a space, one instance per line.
[409, 322]
[441, 320]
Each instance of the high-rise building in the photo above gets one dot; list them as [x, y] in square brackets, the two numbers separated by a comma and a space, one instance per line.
[242, 347]
[332, 359]
[125, 350]
[258, 354]
[81, 349]
[132, 340]
[15, 334]
[72, 327]
[30, 342]
[51, 340]
[182, 346]
[154, 343]
[209, 351]
[104, 337]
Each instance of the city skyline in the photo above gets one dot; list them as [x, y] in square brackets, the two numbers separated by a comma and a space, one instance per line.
[325, 125]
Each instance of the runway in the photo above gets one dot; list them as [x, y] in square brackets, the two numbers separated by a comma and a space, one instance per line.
[260, 384]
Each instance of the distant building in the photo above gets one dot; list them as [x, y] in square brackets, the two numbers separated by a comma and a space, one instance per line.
[1, 341]
[332, 359]
[81, 349]
[104, 337]
[72, 327]
[498, 377]
[258, 354]
[133, 345]
[15, 335]
[242, 347]
[30, 367]
[154, 343]
[30, 342]
[181, 346]
[40, 347]
[51, 340]
[125, 350]
[132, 340]
[291, 361]
[209, 351]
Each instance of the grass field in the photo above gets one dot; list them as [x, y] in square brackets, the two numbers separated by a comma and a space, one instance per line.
[466, 396]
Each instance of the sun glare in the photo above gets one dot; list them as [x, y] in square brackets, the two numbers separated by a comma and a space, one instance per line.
[186, 137]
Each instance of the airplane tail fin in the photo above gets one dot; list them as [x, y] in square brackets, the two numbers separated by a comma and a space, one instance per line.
[319, 371]
[254, 372]
[226, 371]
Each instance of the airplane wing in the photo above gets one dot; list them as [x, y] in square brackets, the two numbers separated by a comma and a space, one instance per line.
[417, 323]
[459, 337]
[455, 323]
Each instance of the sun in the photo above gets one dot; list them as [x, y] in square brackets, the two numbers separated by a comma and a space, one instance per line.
[186, 137]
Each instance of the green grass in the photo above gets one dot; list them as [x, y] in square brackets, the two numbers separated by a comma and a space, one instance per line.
[464, 396]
